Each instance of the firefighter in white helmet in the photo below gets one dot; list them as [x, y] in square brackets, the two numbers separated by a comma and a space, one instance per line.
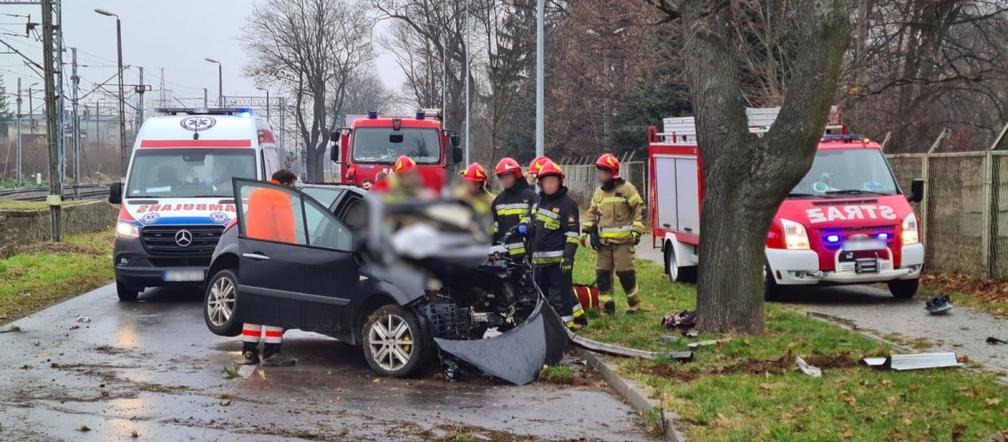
[616, 217]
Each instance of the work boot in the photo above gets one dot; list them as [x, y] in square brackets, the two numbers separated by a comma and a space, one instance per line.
[574, 326]
[581, 321]
[609, 307]
[249, 357]
[634, 302]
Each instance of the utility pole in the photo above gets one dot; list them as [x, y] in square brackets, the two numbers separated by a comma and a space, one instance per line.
[140, 89]
[540, 80]
[57, 10]
[283, 112]
[52, 130]
[467, 67]
[123, 152]
[163, 102]
[75, 80]
[205, 97]
[97, 125]
[18, 131]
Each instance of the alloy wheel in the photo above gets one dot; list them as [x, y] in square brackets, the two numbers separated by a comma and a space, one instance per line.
[221, 302]
[391, 342]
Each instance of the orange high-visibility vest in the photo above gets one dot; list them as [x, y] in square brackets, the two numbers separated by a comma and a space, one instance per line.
[270, 216]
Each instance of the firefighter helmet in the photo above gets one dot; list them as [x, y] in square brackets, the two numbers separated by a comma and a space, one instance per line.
[609, 163]
[537, 164]
[475, 173]
[549, 168]
[403, 164]
[508, 165]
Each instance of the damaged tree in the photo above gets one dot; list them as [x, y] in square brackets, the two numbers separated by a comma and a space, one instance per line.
[747, 177]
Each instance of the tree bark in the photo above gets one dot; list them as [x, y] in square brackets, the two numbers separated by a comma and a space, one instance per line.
[747, 177]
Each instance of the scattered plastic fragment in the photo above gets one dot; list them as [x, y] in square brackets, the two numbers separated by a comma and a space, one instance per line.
[807, 368]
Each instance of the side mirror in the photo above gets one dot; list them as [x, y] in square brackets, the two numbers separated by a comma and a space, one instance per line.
[455, 140]
[457, 154]
[334, 152]
[916, 191]
[115, 193]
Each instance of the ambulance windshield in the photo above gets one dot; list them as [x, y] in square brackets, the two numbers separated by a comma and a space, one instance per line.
[385, 145]
[847, 172]
[188, 173]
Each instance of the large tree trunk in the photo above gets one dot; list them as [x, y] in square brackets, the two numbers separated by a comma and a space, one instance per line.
[746, 177]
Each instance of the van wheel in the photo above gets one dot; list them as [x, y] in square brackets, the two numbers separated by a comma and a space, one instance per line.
[394, 342]
[126, 293]
[220, 304]
[674, 271]
[904, 288]
[771, 290]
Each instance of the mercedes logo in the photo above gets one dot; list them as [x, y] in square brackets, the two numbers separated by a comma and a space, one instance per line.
[183, 238]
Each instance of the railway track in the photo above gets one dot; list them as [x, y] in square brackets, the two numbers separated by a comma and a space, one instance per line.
[85, 191]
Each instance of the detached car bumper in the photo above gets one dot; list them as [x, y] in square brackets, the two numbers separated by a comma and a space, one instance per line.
[801, 267]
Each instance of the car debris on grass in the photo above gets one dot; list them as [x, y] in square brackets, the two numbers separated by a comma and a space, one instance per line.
[915, 361]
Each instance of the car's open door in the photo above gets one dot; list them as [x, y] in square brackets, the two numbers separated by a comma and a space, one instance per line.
[296, 265]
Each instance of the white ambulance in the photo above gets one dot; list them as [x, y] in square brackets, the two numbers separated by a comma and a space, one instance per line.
[177, 196]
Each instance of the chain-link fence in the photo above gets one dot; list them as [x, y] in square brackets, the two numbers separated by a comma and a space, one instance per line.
[581, 183]
[964, 215]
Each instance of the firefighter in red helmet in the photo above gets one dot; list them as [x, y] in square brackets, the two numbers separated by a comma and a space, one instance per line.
[534, 166]
[513, 206]
[474, 192]
[616, 214]
[555, 241]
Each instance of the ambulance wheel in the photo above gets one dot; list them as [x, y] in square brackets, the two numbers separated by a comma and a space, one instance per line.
[127, 293]
[674, 271]
[771, 290]
[904, 288]
[220, 304]
[394, 342]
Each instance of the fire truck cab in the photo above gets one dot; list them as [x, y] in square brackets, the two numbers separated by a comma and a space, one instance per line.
[847, 221]
[370, 144]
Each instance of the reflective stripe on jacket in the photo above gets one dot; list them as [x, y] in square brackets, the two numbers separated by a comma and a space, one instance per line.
[618, 213]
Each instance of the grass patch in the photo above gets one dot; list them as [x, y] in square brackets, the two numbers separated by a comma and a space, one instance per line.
[37, 276]
[749, 388]
[557, 374]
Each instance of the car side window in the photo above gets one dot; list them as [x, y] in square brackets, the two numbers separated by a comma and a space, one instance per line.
[271, 213]
[324, 230]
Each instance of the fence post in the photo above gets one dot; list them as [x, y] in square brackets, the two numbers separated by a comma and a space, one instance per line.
[926, 176]
[989, 237]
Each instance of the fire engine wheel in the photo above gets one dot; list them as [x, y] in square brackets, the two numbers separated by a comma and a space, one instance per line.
[674, 271]
[394, 342]
[771, 290]
[904, 288]
[220, 304]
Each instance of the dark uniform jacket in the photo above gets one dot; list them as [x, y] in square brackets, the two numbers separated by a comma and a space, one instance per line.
[556, 228]
[512, 207]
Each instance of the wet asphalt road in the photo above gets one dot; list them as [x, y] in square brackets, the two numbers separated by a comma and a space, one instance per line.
[153, 369]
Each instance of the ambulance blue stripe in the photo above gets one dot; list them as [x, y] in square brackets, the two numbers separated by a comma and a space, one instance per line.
[185, 220]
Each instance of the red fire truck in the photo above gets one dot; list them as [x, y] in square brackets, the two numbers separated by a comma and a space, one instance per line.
[846, 222]
[371, 144]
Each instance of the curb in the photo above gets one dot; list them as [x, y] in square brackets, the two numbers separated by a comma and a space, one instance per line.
[633, 394]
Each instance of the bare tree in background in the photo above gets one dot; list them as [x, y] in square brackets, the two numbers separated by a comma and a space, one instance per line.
[366, 92]
[311, 48]
[747, 177]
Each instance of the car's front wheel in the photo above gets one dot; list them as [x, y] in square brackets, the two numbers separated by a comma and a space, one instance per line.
[220, 304]
[394, 343]
[904, 288]
[127, 293]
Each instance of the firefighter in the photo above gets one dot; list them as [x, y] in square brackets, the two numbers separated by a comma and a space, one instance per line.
[616, 212]
[534, 167]
[513, 206]
[270, 217]
[474, 192]
[555, 243]
[404, 183]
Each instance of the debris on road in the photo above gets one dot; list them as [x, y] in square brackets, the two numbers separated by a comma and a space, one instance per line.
[11, 329]
[83, 428]
[938, 304]
[915, 361]
[83, 319]
[229, 372]
[994, 341]
[807, 368]
[708, 342]
[684, 320]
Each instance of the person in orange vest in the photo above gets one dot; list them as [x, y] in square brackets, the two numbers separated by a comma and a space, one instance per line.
[270, 217]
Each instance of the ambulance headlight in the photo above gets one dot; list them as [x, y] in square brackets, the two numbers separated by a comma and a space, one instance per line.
[126, 230]
[795, 235]
[910, 233]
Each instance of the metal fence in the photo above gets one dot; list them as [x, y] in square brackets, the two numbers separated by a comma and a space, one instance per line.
[581, 184]
[964, 214]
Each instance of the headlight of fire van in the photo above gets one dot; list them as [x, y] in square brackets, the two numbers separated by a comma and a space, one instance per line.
[795, 235]
[126, 230]
[910, 234]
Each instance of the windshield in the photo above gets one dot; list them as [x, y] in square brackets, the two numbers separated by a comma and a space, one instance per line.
[847, 172]
[384, 145]
[180, 173]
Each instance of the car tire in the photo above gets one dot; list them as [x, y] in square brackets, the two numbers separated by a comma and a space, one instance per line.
[393, 355]
[771, 290]
[904, 288]
[127, 293]
[220, 304]
[674, 271]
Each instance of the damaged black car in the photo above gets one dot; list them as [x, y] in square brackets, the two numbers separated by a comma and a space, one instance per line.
[411, 283]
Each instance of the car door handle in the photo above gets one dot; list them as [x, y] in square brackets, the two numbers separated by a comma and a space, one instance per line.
[256, 256]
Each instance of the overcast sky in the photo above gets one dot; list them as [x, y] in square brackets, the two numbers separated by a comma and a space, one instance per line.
[175, 35]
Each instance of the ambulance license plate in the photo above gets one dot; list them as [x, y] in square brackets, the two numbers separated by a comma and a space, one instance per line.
[182, 275]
